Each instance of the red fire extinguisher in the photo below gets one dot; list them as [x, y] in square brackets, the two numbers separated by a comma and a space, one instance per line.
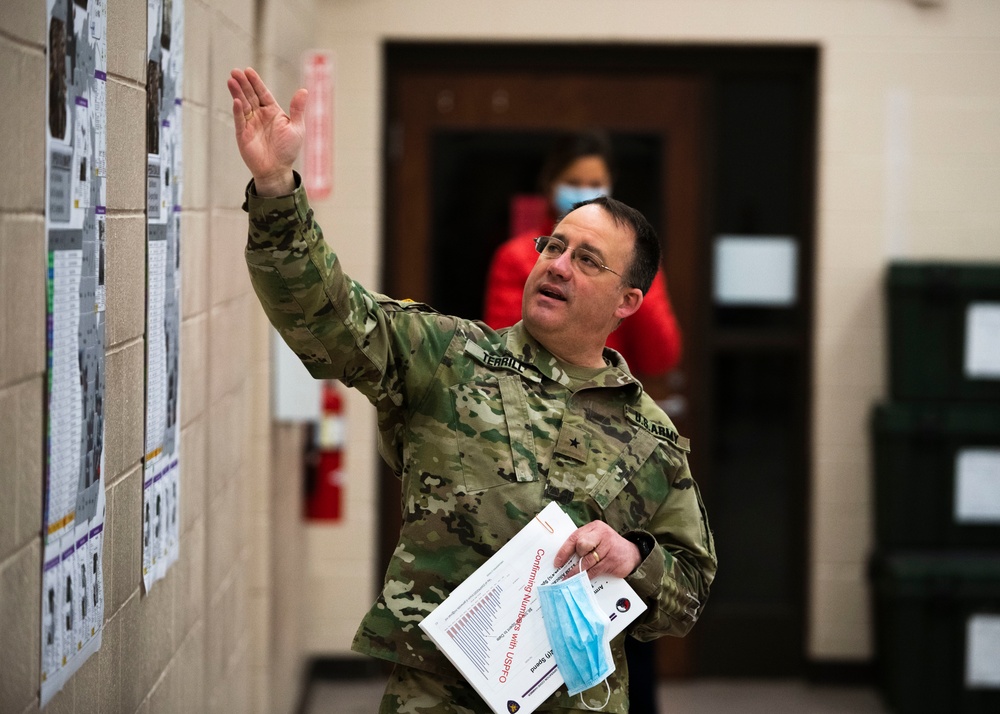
[324, 501]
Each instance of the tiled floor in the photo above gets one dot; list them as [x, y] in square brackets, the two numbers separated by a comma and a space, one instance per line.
[705, 696]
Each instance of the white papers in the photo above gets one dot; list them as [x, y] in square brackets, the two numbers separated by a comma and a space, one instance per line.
[491, 626]
[755, 271]
[164, 173]
[982, 340]
[977, 486]
[982, 651]
[72, 596]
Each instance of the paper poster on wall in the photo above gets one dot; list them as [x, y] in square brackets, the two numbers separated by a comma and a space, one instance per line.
[75, 190]
[161, 476]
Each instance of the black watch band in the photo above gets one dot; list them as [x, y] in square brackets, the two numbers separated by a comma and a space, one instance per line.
[643, 541]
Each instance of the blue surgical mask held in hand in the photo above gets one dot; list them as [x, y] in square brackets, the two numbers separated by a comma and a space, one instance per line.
[566, 196]
[577, 630]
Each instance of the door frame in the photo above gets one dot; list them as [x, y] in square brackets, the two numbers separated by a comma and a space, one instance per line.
[702, 67]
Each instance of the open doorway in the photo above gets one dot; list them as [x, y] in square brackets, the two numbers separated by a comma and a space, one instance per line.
[707, 141]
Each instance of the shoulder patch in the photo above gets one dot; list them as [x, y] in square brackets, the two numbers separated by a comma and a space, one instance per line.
[405, 304]
[658, 429]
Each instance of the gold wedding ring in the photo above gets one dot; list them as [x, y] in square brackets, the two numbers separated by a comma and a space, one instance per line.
[597, 557]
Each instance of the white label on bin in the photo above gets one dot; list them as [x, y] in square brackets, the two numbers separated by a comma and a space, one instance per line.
[977, 486]
[982, 652]
[982, 340]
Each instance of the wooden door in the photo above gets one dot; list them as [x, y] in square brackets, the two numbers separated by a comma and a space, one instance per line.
[714, 141]
[432, 111]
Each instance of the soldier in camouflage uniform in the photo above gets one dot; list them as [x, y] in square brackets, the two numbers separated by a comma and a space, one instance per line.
[486, 427]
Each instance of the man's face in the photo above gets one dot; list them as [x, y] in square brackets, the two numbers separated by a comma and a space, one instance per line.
[570, 313]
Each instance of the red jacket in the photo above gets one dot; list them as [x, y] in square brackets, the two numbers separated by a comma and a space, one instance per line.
[649, 340]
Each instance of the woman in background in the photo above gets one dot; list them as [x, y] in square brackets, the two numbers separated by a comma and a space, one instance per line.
[578, 168]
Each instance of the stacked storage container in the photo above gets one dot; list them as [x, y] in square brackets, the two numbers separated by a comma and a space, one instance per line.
[936, 570]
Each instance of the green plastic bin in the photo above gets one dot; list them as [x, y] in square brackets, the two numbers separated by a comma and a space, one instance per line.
[937, 475]
[944, 325]
[937, 631]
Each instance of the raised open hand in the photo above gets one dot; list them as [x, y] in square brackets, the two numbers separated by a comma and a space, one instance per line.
[269, 140]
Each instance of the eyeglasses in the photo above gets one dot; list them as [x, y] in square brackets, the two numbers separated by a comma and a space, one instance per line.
[586, 262]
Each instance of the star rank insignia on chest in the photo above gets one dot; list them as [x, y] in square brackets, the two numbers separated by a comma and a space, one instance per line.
[574, 442]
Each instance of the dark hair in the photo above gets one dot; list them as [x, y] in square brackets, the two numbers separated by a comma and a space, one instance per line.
[646, 256]
[567, 149]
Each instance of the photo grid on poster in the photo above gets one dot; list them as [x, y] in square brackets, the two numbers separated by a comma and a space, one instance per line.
[75, 212]
[161, 475]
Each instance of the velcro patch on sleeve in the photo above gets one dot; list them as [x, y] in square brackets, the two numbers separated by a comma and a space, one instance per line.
[658, 429]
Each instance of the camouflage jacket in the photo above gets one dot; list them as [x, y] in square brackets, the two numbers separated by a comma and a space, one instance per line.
[484, 429]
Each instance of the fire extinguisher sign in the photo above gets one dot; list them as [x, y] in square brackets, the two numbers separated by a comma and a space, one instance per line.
[317, 168]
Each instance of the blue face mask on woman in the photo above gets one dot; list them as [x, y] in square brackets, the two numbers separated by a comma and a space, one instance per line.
[566, 196]
[577, 630]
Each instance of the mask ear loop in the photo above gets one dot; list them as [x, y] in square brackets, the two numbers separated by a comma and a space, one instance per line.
[604, 681]
[570, 567]
[600, 706]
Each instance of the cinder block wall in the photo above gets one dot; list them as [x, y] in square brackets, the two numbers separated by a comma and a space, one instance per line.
[220, 633]
[22, 349]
